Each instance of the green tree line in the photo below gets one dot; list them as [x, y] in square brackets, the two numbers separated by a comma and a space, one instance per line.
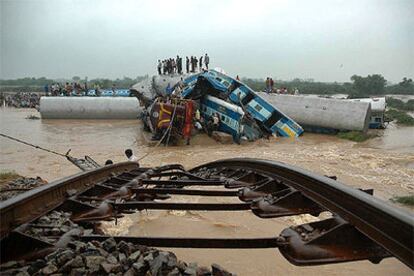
[38, 84]
[357, 88]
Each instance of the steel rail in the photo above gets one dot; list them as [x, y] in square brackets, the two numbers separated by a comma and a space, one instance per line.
[384, 226]
[30, 205]
[389, 227]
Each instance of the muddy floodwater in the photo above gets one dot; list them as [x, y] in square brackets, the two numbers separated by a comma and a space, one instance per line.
[385, 164]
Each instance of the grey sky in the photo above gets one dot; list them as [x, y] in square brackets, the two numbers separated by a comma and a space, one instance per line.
[324, 40]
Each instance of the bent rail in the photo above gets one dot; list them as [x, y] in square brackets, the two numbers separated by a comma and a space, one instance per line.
[362, 227]
[390, 227]
[30, 205]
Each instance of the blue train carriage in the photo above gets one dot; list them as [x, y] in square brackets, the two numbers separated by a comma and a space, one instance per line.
[189, 84]
[232, 119]
[272, 119]
[109, 93]
[218, 82]
[225, 87]
[230, 115]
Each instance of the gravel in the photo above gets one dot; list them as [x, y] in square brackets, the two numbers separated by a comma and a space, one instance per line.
[106, 258]
[18, 186]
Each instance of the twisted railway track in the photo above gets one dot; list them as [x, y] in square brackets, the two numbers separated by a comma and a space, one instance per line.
[362, 227]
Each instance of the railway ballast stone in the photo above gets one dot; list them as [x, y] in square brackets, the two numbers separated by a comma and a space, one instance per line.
[18, 186]
[122, 258]
[49, 269]
[109, 245]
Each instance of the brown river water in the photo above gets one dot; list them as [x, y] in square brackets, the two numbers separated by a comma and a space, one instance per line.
[385, 164]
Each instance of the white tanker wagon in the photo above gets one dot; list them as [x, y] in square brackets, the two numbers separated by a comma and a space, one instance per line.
[89, 107]
[321, 114]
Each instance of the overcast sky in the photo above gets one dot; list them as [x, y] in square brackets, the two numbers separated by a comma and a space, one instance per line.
[324, 40]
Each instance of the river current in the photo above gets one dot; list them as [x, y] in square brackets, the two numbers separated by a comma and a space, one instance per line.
[385, 163]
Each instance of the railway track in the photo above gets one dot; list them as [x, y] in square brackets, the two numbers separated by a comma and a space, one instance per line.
[362, 227]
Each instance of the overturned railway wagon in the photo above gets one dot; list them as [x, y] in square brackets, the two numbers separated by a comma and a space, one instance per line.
[362, 227]
[215, 84]
[89, 108]
[322, 115]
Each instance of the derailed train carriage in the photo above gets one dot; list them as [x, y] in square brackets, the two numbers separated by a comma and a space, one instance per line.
[260, 118]
[169, 119]
[242, 113]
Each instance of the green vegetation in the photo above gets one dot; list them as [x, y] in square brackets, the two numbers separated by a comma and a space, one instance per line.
[360, 87]
[304, 86]
[398, 104]
[401, 117]
[406, 86]
[7, 176]
[406, 200]
[356, 136]
[38, 84]
[369, 85]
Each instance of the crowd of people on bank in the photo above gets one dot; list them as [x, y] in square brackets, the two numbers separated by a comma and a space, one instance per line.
[20, 100]
[74, 89]
[67, 89]
[58, 89]
[175, 65]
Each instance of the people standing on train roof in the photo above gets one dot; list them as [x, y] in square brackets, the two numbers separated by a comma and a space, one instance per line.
[267, 83]
[178, 64]
[195, 63]
[206, 60]
[174, 66]
[187, 65]
[201, 63]
[237, 78]
[159, 67]
[271, 83]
